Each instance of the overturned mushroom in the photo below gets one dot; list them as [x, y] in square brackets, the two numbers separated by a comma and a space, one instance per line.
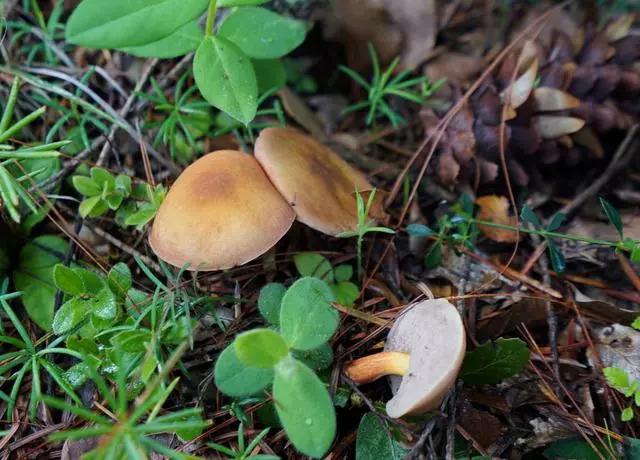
[221, 212]
[422, 354]
[316, 182]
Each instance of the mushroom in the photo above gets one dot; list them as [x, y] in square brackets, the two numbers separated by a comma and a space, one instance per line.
[315, 181]
[422, 355]
[221, 212]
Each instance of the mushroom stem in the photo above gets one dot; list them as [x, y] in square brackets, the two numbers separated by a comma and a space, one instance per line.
[370, 368]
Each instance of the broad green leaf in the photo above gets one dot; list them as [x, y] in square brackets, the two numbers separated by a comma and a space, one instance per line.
[76, 375]
[636, 323]
[632, 448]
[304, 407]
[67, 280]
[527, 215]
[262, 34]
[627, 414]
[343, 272]
[82, 345]
[114, 199]
[126, 23]
[92, 283]
[491, 363]
[123, 184]
[557, 258]
[617, 378]
[307, 319]
[227, 3]
[317, 359]
[70, 314]
[142, 217]
[184, 40]
[119, 279]
[270, 300]
[260, 348]
[237, 380]
[226, 79]
[312, 264]
[374, 441]
[346, 293]
[556, 221]
[434, 256]
[86, 186]
[34, 277]
[269, 73]
[132, 340]
[104, 305]
[613, 215]
[92, 207]
[575, 448]
[103, 178]
[419, 230]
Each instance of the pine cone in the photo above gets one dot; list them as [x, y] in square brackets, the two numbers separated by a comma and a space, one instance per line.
[568, 92]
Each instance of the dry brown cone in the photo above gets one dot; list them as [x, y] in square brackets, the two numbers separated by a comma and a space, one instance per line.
[572, 87]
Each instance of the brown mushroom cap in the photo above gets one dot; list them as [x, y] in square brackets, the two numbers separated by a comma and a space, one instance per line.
[221, 212]
[316, 181]
[433, 333]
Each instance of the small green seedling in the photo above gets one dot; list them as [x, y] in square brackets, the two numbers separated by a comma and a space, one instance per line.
[231, 63]
[242, 452]
[383, 86]
[364, 226]
[302, 320]
[312, 264]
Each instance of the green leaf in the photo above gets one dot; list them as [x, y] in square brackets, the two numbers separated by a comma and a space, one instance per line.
[343, 272]
[527, 215]
[262, 34]
[226, 79]
[635, 255]
[317, 359]
[613, 215]
[34, 277]
[76, 375]
[556, 221]
[627, 414]
[419, 230]
[346, 293]
[576, 449]
[114, 199]
[123, 184]
[92, 283]
[226, 3]
[260, 348]
[491, 363]
[433, 257]
[92, 207]
[104, 305]
[235, 379]
[67, 280]
[269, 73]
[70, 314]
[304, 407]
[617, 378]
[312, 264]
[636, 323]
[86, 186]
[184, 40]
[632, 449]
[307, 319]
[374, 441]
[132, 341]
[270, 300]
[126, 23]
[141, 217]
[557, 258]
[103, 178]
[119, 279]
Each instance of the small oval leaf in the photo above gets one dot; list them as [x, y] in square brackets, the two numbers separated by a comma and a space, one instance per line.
[260, 348]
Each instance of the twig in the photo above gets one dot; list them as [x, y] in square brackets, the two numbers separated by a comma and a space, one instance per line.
[617, 162]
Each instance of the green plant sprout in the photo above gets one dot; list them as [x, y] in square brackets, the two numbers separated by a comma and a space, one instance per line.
[17, 169]
[302, 321]
[461, 229]
[104, 192]
[242, 452]
[126, 431]
[383, 86]
[364, 226]
[230, 64]
[316, 265]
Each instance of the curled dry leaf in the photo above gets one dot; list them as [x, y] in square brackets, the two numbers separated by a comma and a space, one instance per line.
[517, 93]
[552, 127]
[618, 346]
[495, 209]
[619, 27]
[550, 99]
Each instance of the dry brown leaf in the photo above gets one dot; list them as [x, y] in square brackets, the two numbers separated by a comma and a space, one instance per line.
[495, 209]
[551, 127]
[619, 27]
[551, 99]
[588, 139]
[298, 110]
[454, 67]
[448, 169]
[519, 91]
[418, 21]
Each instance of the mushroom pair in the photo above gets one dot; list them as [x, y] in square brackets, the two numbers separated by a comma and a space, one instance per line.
[422, 355]
[228, 207]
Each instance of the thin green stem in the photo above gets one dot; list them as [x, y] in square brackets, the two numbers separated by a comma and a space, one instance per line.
[545, 233]
[360, 237]
[211, 15]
